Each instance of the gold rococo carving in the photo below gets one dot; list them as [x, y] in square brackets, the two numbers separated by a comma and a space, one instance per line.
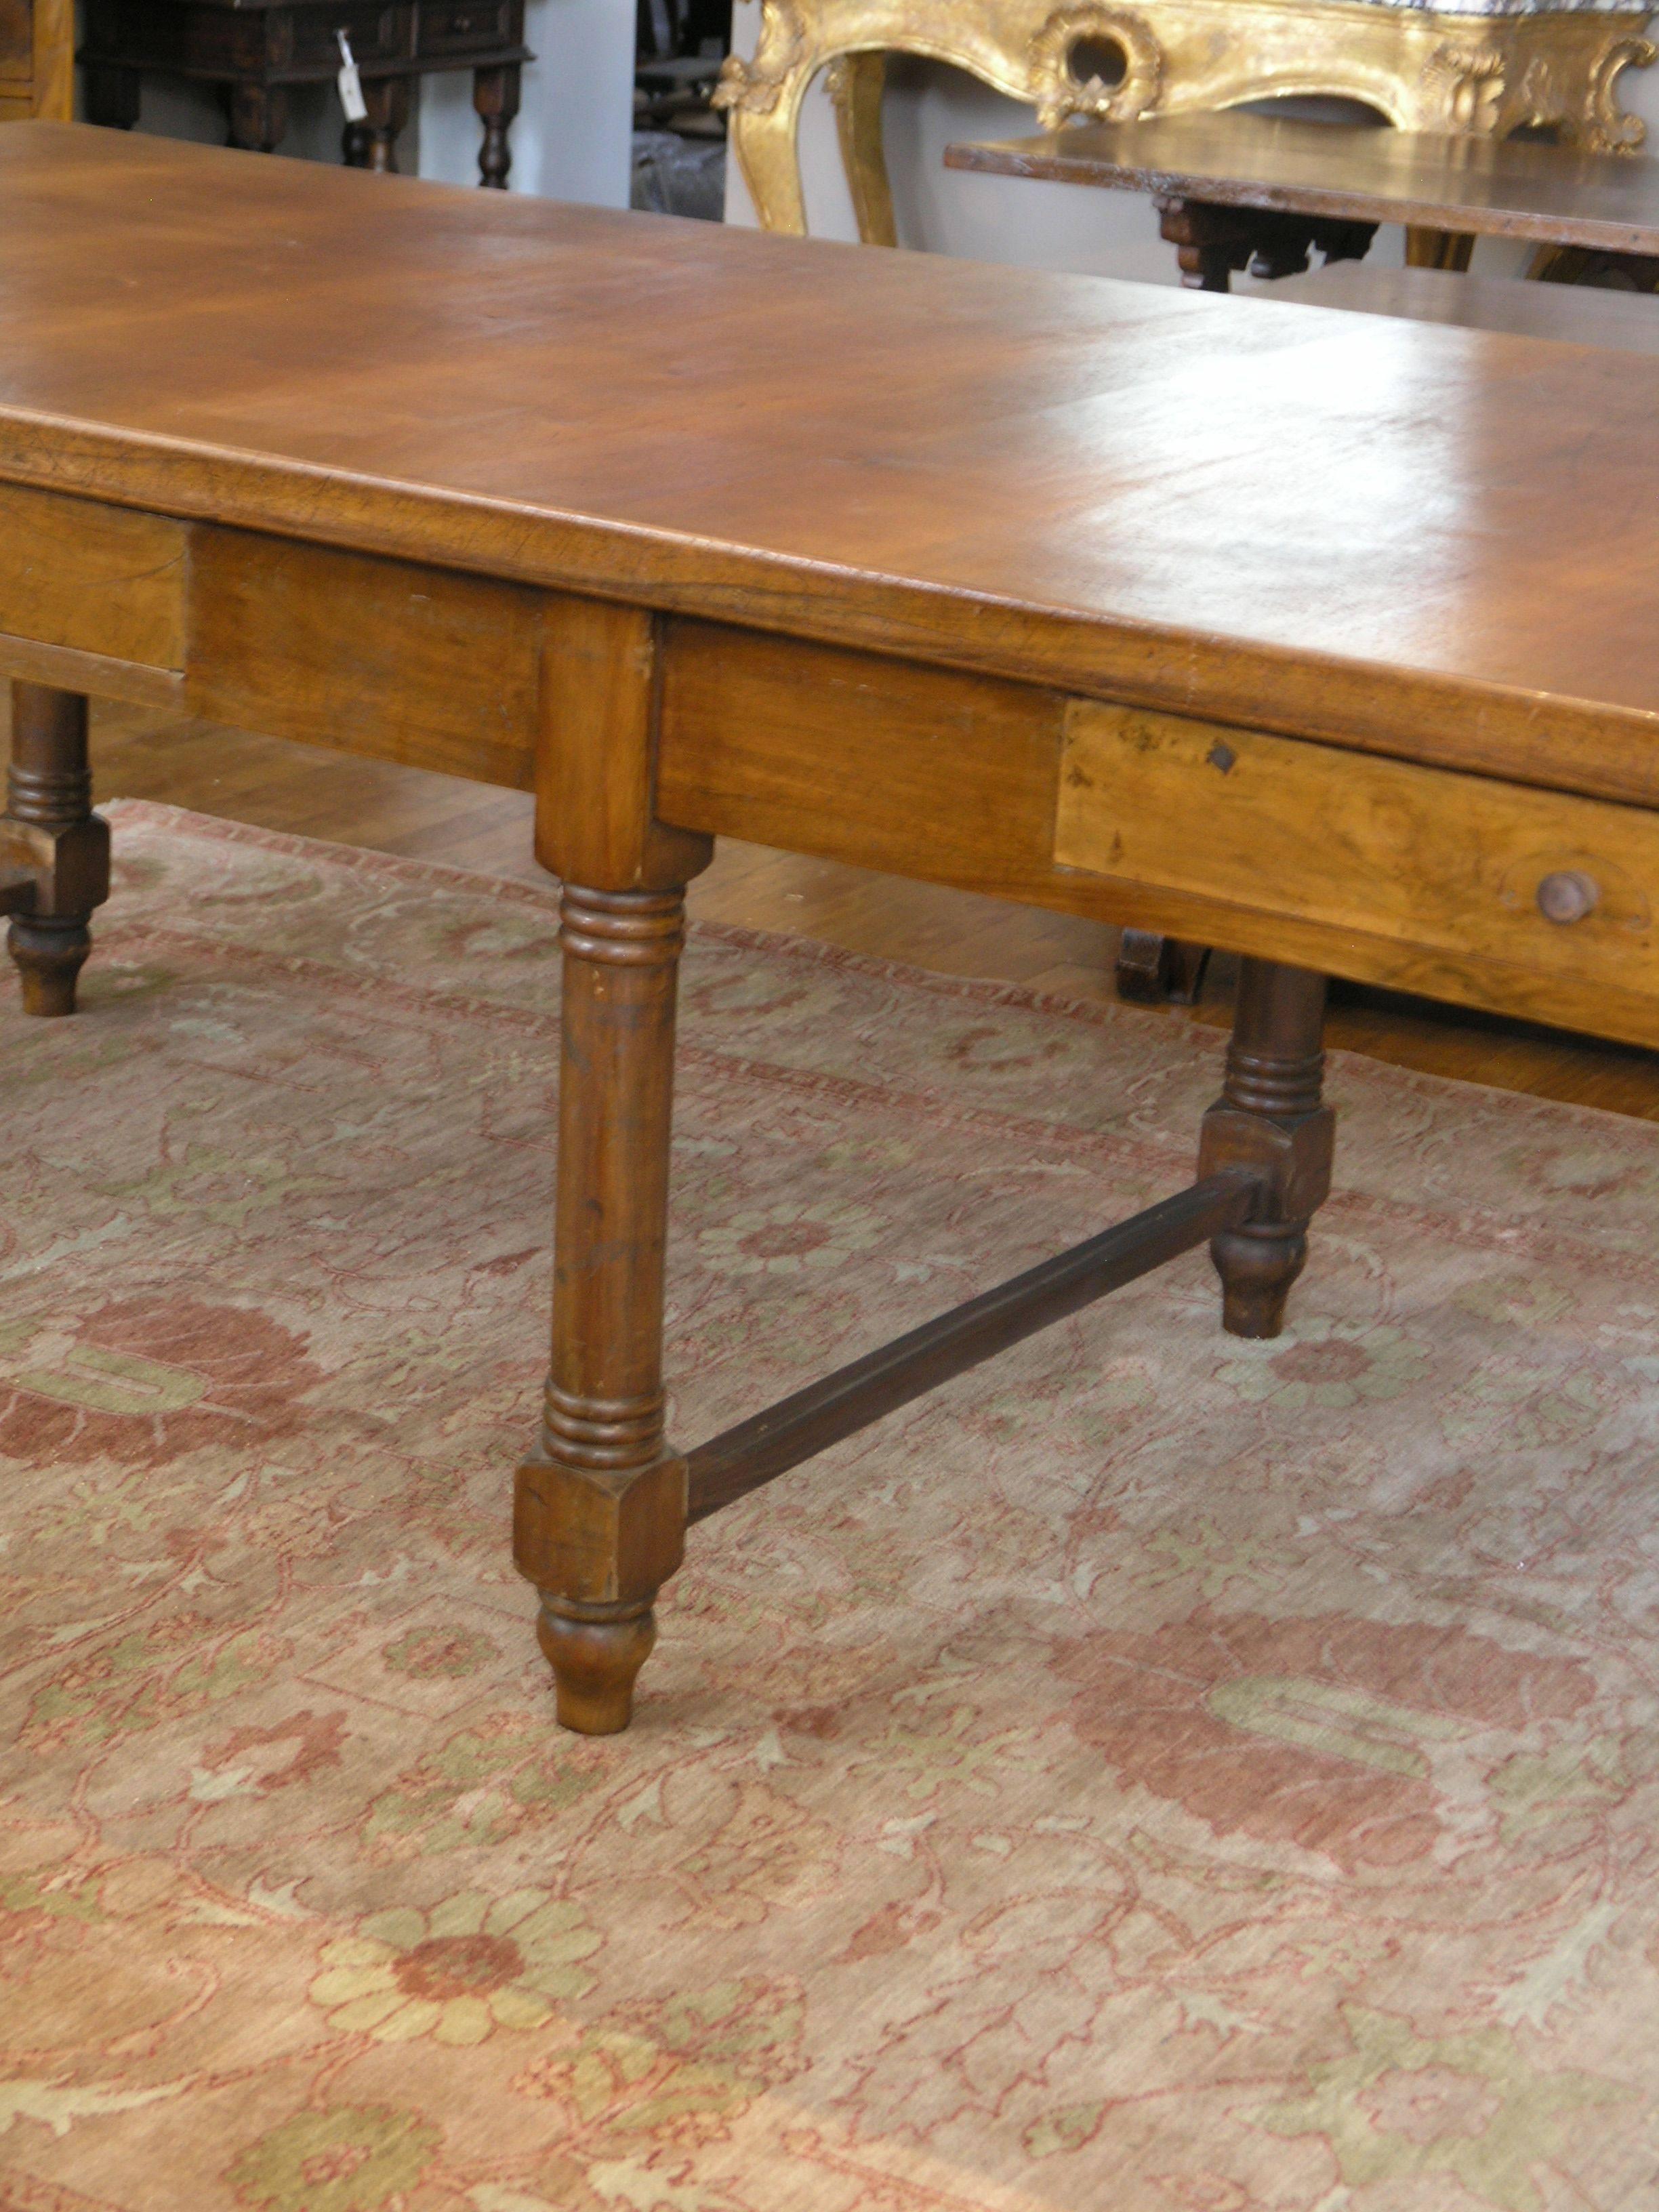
[1061, 92]
[1474, 74]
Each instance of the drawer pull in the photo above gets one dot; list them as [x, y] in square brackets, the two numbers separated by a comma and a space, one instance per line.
[1567, 896]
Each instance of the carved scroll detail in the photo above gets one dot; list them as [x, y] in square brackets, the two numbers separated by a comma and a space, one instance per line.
[1060, 92]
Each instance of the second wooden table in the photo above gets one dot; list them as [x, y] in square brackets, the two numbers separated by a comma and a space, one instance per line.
[1236, 190]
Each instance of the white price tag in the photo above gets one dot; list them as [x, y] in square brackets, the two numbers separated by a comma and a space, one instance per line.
[350, 84]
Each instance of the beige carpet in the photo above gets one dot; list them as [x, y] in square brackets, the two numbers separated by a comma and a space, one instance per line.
[1159, 1774]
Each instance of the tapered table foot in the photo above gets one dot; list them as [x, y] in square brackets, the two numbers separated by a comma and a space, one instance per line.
[49, 957]
[596, 1652]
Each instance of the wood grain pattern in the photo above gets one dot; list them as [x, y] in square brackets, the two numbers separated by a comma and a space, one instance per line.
[67, 669]
[408, 664]
[1447, 867]
[599, 1512]
[599, 1506]
[474, 405]
[596, 770]
[844, 754]
[1475, 186]
[349, 800]
[847, 756]
[1065, 480]
[94, 578]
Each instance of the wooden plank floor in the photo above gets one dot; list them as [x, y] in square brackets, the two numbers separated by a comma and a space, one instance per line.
[354, 801]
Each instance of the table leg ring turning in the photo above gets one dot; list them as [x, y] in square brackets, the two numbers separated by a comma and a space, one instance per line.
[603, 1503]
[54, 850]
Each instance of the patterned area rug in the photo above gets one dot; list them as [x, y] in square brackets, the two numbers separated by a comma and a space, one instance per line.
[1158, 1774]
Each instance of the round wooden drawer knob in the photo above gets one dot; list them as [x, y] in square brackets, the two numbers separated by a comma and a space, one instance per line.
[1567, 896]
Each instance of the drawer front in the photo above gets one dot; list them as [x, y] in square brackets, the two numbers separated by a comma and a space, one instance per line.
[450, 27]
[412, 665]
[1456, 869]
[97, 580]
[377, 35]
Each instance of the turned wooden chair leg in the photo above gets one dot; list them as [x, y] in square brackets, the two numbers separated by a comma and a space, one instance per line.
[600, 1515]
[51, 830]
[1269, 1115]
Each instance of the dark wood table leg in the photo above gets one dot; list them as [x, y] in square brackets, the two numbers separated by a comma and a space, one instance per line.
[1269, 1116]
[600, 1509]
[1343, 242]
[373, 143]
[51, 830]
[1158, 971]
[1210, 241]
[258, 117]
[496, 101]
[112, 96]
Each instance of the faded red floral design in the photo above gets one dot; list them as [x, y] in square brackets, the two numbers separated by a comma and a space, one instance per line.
[748, 1859]
[1313, 1732]
[894, 1897]
[679, 2072]
[276, 1758]
[141, 1381]
[439, 1654]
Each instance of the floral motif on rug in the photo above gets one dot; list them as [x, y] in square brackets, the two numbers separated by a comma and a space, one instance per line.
[1156, 1774]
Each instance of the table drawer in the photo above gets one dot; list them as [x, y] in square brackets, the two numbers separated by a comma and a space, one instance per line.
[377, 35]
[92, 579]
[450, 27]
[1459, 871]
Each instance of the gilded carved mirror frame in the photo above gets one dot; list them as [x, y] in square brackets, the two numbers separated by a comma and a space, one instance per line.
[1486, 75]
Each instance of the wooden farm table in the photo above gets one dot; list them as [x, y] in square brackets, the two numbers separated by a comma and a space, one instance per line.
[1331, 639]
[1237, 190]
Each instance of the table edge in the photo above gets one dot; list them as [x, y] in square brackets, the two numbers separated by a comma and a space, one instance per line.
[1601, 749]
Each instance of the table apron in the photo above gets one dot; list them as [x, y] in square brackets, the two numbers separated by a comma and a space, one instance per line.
[1382, 871]
[419, 665]
[1385, 871]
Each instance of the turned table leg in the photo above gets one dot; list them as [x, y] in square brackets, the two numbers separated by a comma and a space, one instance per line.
[600, 1511]
[1269, 1115]
[496, 102]
[258, 117]
[600, 1517]
[373, 143]
[51, 830]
